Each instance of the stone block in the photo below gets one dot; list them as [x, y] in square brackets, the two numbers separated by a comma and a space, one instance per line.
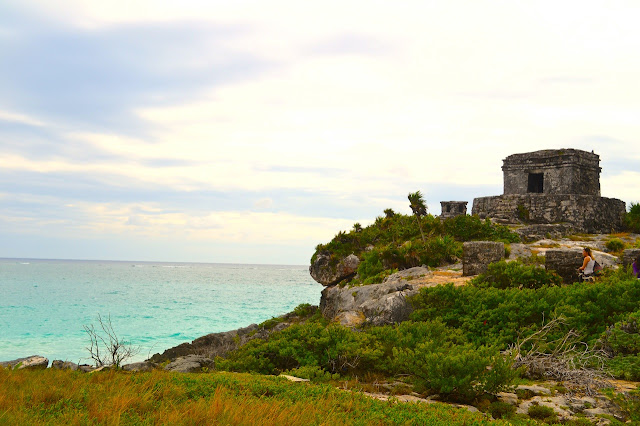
[477, 255]
[629, 255]
[565, 262]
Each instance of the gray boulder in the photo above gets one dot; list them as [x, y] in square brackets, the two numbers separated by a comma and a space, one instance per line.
[31, 362]
[64, 365]
[328, 272]
[139, 366]
[375, 304]
[190, 364]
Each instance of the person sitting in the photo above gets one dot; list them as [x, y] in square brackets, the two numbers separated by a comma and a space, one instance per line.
[585, 272]
[636, 267]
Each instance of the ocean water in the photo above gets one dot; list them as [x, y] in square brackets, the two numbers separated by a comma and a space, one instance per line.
[44, 304]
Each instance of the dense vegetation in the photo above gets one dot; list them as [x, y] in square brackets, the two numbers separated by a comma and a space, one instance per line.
[454, 344]
[55, 397]
[395, 242]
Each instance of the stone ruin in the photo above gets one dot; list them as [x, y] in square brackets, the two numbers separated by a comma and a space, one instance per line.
[560, 186]
[453, 208]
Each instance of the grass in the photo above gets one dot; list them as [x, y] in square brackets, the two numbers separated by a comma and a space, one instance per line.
[56, 397]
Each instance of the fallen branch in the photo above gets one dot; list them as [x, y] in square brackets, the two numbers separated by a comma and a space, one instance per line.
[567, 359]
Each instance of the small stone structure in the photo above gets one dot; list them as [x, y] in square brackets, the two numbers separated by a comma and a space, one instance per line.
[553, 186]
[453, 208]
[477, 255]
[629, 256]
[565, 262]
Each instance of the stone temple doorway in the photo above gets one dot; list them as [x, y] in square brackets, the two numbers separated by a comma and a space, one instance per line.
[536, 183]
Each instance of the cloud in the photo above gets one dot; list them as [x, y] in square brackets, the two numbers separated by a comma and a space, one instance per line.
[351, 44]
[263, 204]
[97, 78]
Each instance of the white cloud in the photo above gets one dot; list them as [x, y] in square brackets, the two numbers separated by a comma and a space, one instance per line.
[456, 87]
[14, 117]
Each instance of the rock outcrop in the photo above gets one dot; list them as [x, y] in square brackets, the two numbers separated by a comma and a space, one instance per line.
[64, 365]
[139, 366]
[31, 362]
[327, 271]
[477, 255]
[375, 304]
[218, 344]
[190, 364]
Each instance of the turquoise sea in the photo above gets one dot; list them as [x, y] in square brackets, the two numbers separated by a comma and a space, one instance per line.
[44, 304]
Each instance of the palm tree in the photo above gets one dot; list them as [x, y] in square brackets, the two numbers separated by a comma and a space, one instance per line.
[357, 227]
[419, 208]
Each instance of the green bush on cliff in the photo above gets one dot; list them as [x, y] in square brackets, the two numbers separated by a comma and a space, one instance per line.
[398, 229]
[515, 275]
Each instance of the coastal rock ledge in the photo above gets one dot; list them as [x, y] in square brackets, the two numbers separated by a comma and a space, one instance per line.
[328, 272]
[374, 304]
[32, 362]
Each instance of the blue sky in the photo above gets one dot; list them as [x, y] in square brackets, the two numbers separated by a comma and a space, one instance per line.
[250, 131]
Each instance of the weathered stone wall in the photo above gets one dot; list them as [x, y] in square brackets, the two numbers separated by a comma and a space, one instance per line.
[453, 208]
[564, 171]
[587, 213]
[565, 262]
[477, 255]
[629, 255]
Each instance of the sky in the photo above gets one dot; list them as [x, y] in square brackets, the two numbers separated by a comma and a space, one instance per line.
[251, 131]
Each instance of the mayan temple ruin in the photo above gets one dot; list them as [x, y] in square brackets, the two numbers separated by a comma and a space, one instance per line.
[553, 187]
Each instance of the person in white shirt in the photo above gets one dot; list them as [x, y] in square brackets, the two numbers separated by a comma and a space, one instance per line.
[586, 270]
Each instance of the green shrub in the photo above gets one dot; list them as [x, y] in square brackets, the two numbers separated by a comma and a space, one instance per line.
[542, 412]
[498, 317]
[305, 310]
[501, 410]
[624, 336]
[622, 341]
[440, 360]
[515, 275]
[626, 367]
[615, 245]
[333, 348]
[312, 373]
[396, 229]
[632, 218]
[470, 228]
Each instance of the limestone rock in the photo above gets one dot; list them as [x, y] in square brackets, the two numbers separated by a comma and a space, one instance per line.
[86, 368]
[477, 255]
[539, 231]
[218, 344]
[32, 362]
[328, 273]
[557, 403]
[214, 344]
[565, 262]
[507, 398]
[139, 366]
[629, 256]
[64, 365]
[189, 364]
[293, 378]
[375, 304]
